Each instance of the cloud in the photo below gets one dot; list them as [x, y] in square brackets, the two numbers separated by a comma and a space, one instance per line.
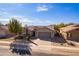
[17, 16]
[3, 12]
[37, 22]
[24, 20]
[4, 20]
[42, 8]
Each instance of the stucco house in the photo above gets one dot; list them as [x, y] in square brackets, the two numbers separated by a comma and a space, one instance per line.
[3, 31]
[41, 31]
[70, 32]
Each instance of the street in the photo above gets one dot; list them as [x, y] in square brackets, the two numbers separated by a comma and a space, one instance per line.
[42, 49]
[36, 51]
[5, 51]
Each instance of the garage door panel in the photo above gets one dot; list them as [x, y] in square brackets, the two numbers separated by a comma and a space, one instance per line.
[44, 34]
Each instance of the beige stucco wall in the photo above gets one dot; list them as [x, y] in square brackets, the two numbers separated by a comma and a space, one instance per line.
[2, 33]
[74, 35]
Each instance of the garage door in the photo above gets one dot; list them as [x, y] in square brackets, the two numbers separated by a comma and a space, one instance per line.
[44, 34]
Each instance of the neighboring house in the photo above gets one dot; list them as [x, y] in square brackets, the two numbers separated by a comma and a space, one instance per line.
[42, 31]
[3, 31]
[70, 32]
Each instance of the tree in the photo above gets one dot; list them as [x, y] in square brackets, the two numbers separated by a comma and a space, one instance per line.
[61, 25]
[57, 28]
[15, 26]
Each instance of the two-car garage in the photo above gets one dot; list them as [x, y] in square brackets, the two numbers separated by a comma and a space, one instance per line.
[44, 33]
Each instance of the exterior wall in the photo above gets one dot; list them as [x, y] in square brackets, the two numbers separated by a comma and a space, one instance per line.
[74, 35]
[3, 33]
[52, 34]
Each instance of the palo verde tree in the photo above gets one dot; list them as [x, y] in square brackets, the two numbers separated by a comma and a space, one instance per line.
[15, 26]
[58, 26]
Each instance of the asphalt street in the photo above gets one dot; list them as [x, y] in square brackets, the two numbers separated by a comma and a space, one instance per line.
[43, 49]
[5, 51]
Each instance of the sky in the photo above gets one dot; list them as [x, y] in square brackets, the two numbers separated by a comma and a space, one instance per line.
[40, 13]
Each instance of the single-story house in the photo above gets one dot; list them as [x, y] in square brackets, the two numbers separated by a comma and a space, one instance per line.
[41, 31]
[3, 31]
[70, 32]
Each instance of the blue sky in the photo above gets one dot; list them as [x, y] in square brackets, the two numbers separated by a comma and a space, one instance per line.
[40, 13]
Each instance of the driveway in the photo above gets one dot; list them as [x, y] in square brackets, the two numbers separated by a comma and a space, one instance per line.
[47, 46]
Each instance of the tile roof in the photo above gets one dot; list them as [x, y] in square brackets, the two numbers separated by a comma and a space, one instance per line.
[69, 28]
[38, 27]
